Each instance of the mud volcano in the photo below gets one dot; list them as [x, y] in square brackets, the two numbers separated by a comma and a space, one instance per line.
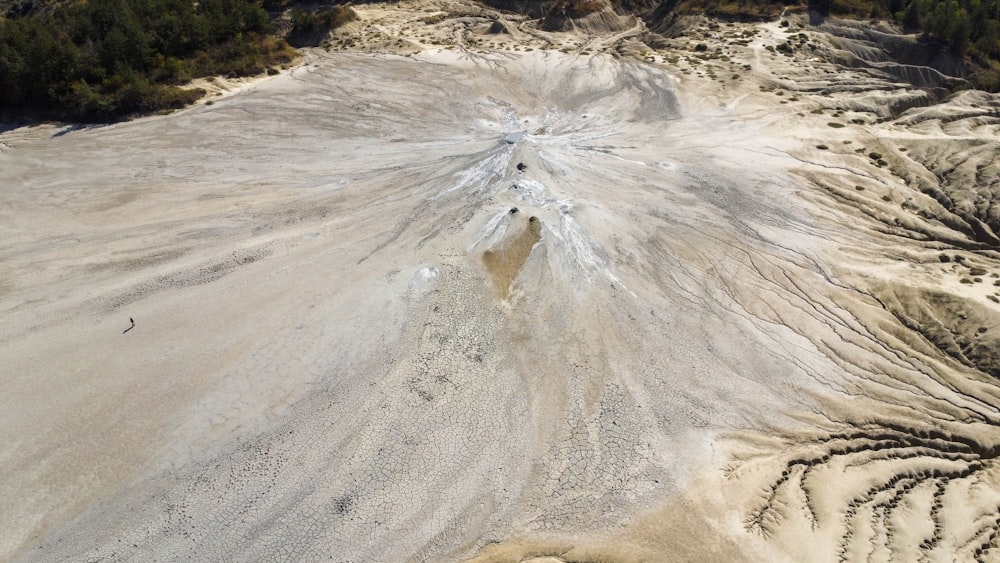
[441, 294]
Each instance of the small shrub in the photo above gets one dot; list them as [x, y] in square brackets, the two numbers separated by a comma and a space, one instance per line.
[874, 156]
[988, 79]
[977, 272]
[965, 280]
[835, 125]
[822, 147]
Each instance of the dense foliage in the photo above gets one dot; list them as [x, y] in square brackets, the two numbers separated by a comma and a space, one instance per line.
[101, 59]
[310, 27]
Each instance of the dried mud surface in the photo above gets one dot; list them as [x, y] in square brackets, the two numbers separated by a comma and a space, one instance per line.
[461, 288]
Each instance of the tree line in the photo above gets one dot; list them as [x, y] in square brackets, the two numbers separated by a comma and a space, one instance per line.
[101, 59]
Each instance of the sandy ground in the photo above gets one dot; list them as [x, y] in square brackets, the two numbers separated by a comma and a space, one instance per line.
[441, 293]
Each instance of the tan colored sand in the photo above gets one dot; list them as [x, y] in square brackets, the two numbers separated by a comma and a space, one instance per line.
[504, 263]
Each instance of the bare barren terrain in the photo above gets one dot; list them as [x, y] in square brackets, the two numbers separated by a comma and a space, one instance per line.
[459, 288]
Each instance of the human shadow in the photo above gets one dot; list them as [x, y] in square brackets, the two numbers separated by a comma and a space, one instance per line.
[73, 127]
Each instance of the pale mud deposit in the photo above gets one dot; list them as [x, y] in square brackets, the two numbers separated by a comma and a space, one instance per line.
[716, 327]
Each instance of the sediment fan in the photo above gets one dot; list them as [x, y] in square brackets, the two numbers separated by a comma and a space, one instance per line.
[565, 304]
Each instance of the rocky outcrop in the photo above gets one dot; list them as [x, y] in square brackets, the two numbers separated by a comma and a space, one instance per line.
[591, 16]
[905, 57]
[570, 15]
